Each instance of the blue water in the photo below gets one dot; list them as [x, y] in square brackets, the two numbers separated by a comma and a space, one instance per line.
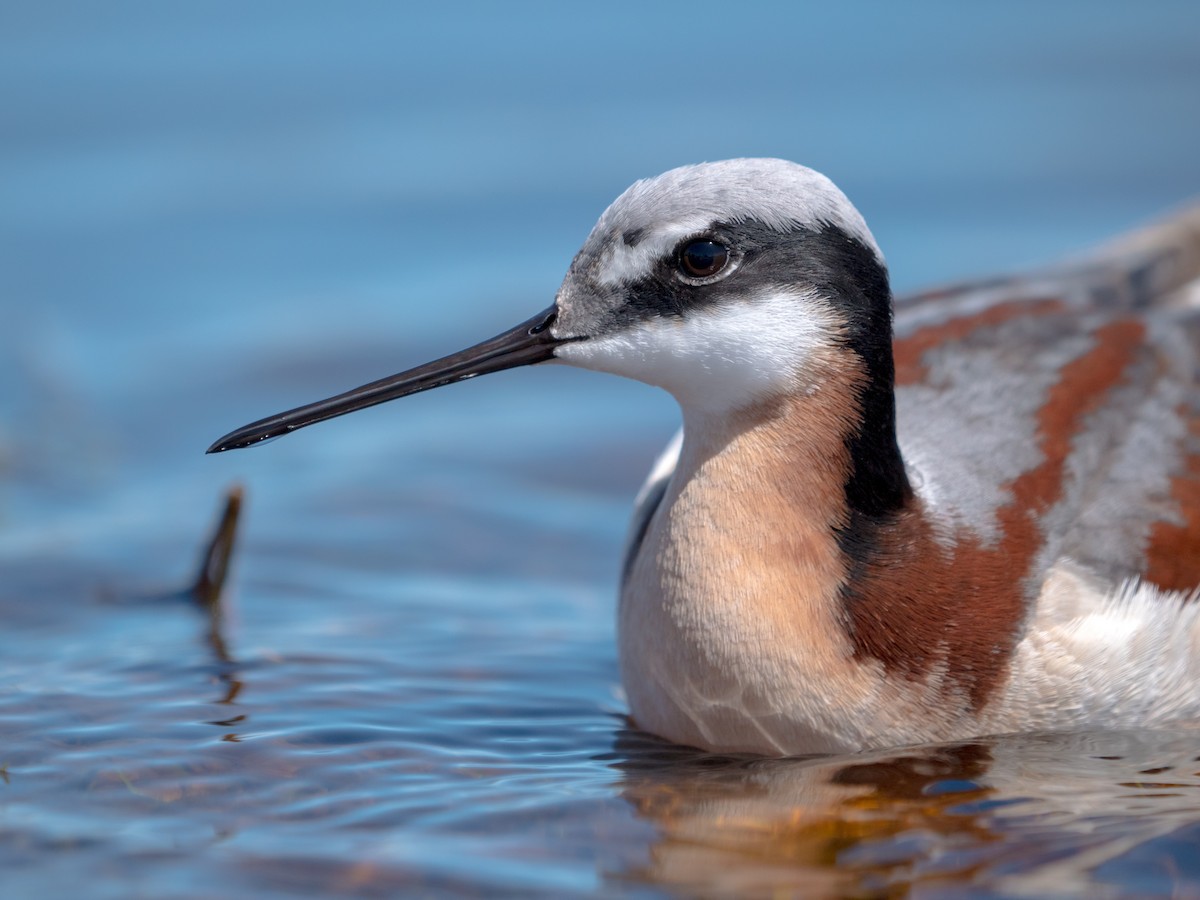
[214, 212]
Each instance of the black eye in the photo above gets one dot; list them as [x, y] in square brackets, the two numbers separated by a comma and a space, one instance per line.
[700, 259]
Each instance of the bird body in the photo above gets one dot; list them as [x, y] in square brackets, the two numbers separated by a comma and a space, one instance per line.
[985, 519]
[1048, 601]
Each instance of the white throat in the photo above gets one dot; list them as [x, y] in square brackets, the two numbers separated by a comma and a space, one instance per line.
[719, 359]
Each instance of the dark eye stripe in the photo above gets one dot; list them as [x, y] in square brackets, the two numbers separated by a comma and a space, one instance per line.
[701, 259]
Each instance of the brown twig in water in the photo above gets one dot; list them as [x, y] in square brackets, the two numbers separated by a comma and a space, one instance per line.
[209, 585]
[214, 564]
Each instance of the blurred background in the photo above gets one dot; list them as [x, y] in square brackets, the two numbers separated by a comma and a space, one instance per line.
[214, 212]
[210, 213]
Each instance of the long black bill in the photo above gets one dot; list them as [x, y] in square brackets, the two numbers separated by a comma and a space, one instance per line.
[528, 343]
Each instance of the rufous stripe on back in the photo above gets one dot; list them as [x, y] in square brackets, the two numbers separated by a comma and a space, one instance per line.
[919, 605]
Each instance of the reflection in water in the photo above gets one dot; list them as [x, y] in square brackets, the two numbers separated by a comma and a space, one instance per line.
[1026, 815]
[208, 591]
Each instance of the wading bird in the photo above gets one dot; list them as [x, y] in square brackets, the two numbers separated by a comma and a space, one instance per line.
[985, 519]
